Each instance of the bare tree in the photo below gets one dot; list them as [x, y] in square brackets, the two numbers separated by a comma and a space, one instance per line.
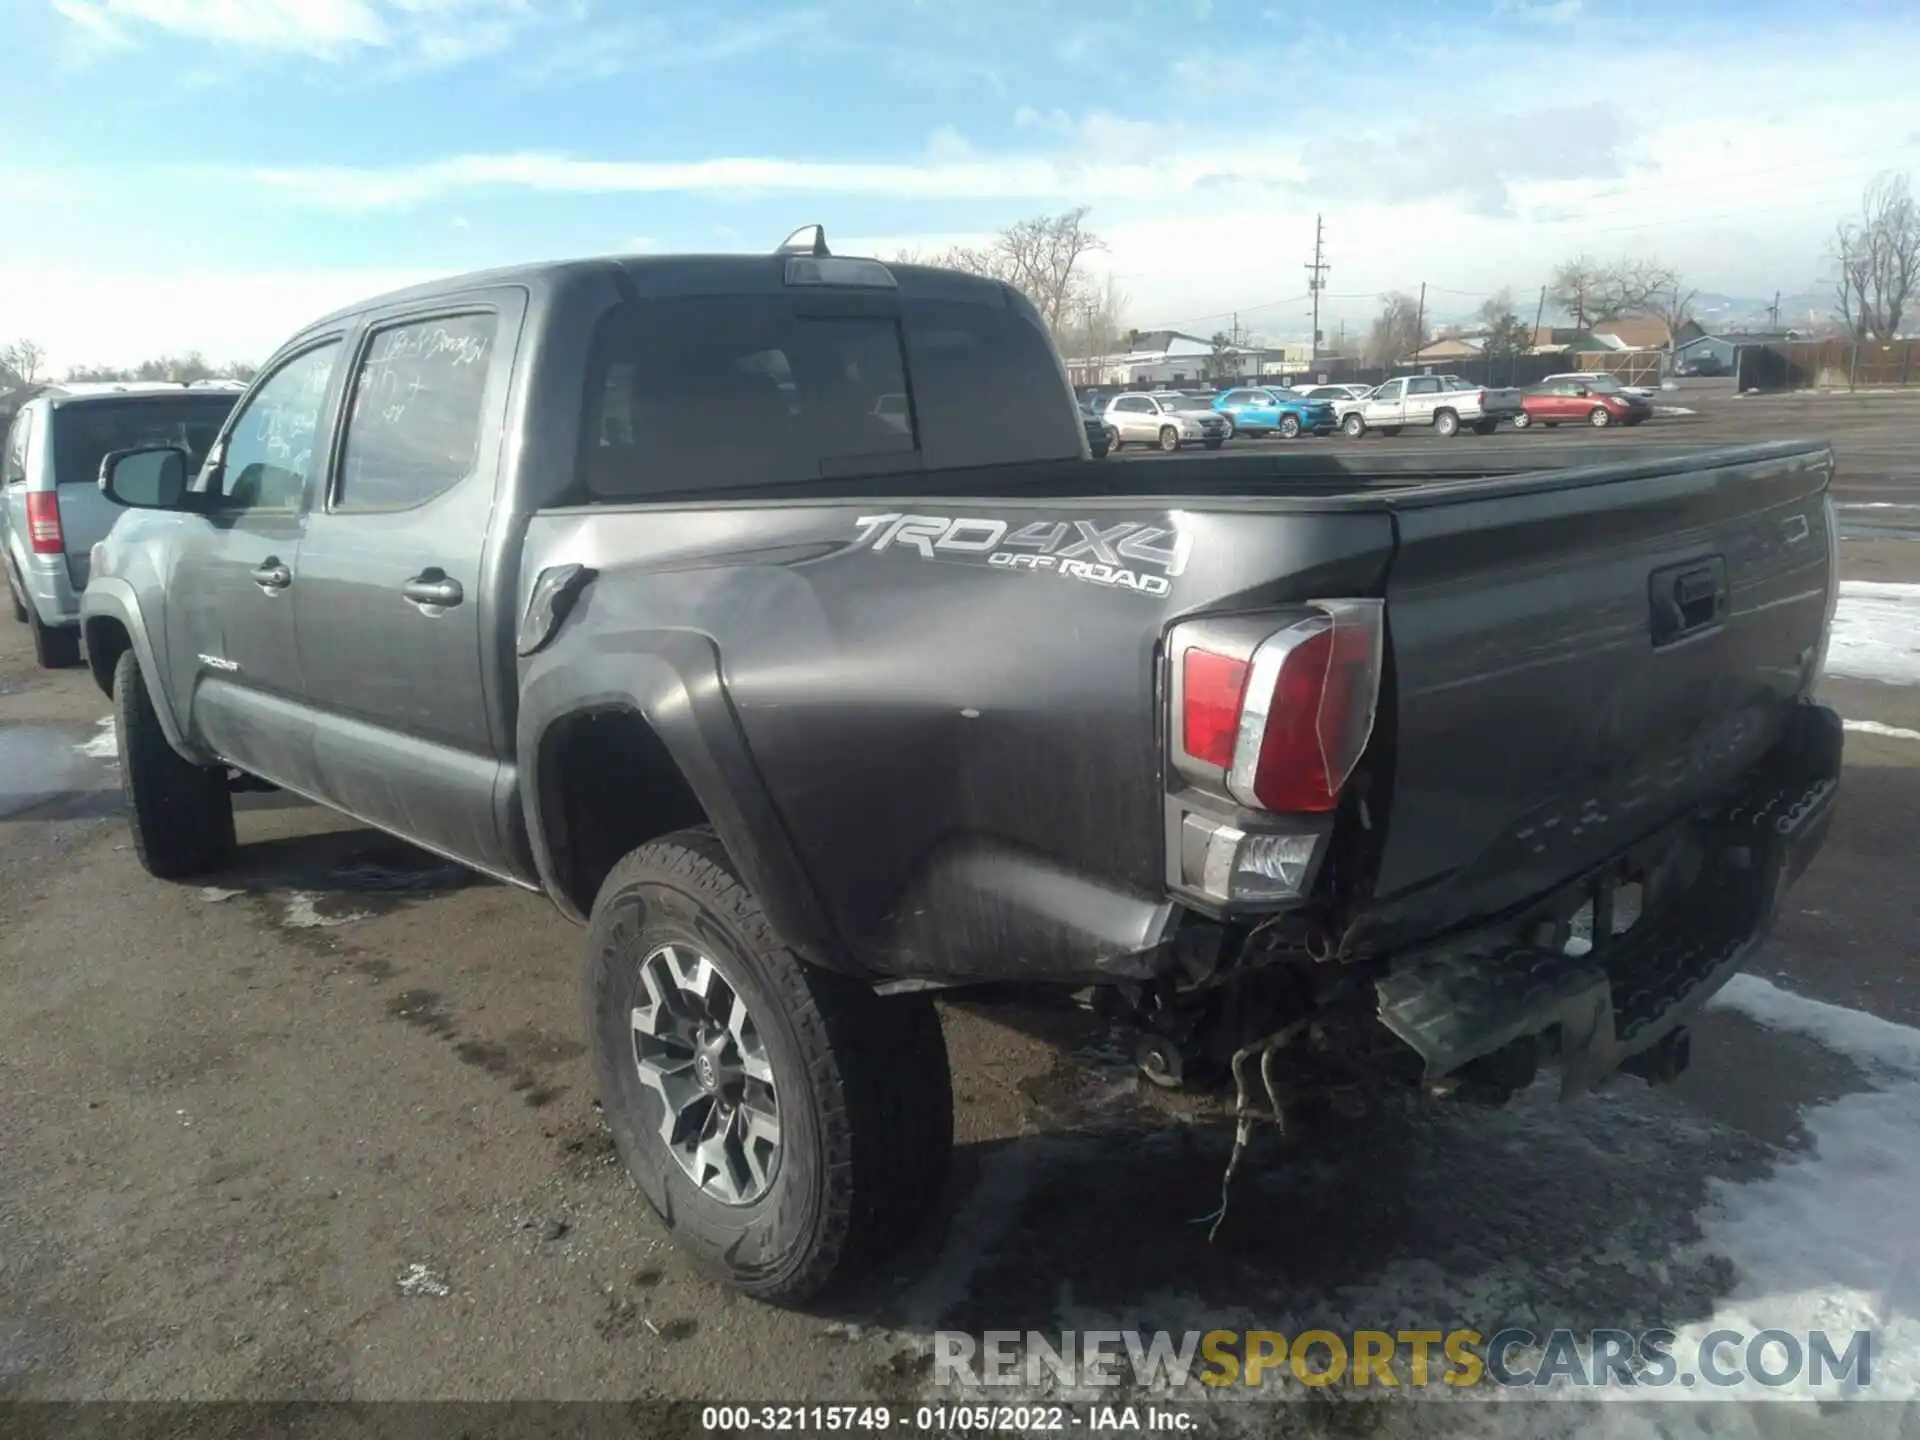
[1592, 290]
[179, 369]
[1496, 307]
[1879, 257]
[1674, 308]
[1397, 331]
[1573, 288]
[1223, 360]
[1040, 257]
[22, 360]
[1098, 322]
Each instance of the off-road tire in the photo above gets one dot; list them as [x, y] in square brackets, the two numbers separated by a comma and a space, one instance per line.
[865, 1097]
[181, 814]
[1169, 439]
[55, 647]
[1446, 424]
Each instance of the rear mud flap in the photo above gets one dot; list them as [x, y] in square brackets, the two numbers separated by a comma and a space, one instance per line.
[1600, 1009]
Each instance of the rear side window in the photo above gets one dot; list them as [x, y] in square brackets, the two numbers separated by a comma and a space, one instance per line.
[413, 429]
[16, 469]
[725, 392]
[987, 386]
[84, 433]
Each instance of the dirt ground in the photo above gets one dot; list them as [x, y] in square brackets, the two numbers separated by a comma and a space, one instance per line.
[323, 1127]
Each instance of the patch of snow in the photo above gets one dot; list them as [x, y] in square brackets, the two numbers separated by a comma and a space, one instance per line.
[1876, 633]
[303, 913]
[214, 894]
[1674, 410]
[419, 1280]
[1874, 505]
[1874, 727]
[105, 744]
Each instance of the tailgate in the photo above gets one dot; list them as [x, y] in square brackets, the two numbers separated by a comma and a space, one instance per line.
[1577, 659]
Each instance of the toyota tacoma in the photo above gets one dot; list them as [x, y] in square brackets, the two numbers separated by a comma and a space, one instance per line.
[623, 580]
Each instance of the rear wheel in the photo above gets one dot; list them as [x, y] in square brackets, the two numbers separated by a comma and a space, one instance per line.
[1290, 426]
[1354, 427]
[1599, 418]
[181, 813]
[788, 1125]
[1169, 439]
[1522, 420]
[56, 647]
[1485, 427]
[1446, 424]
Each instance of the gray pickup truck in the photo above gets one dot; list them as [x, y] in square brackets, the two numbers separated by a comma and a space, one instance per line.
[617, 580]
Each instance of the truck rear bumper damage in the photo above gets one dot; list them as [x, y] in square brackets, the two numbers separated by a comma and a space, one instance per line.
[1627, 999]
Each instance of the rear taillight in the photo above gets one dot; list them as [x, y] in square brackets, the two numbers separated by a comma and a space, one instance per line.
[43, 523]
[1286, 724]
[1210, 694]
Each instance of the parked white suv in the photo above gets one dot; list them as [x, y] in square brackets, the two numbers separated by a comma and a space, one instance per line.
[1167, 421]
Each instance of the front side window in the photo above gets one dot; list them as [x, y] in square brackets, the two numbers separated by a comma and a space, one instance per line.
[413, 426]
[1388, 391]
[270, 455]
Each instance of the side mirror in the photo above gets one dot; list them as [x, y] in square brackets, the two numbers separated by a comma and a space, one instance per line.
[146, 479]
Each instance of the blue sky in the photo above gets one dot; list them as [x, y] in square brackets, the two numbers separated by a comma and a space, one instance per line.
[210, 173]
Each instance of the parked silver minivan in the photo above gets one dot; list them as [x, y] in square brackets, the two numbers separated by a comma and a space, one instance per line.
[54, 511]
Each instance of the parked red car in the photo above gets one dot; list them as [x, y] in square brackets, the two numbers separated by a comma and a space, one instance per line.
[1575, 403]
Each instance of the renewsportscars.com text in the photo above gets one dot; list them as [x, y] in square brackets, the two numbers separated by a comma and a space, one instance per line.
[1838, 1362]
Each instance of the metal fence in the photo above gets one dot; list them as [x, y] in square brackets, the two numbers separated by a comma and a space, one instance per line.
[1827, 365]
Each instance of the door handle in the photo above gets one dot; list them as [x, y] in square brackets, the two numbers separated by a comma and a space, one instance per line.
[270, 575]
[433, 586]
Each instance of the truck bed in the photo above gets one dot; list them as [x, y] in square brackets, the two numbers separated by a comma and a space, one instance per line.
[952, 684]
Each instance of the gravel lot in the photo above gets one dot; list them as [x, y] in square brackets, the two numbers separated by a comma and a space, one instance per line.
[324, 1129]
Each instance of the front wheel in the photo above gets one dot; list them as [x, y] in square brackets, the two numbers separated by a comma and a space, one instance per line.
[1169, 439]
[1354, 427]
[1522, 420]
[181, 813]
[788, 1125]
[1599, 418]
[1290, 426]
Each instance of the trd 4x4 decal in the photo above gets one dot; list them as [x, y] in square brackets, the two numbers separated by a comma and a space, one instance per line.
[1121, 555]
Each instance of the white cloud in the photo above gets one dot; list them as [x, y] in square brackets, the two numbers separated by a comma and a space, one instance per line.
[950, 175]
[1548, 12]
[438, 30]
[93, 318]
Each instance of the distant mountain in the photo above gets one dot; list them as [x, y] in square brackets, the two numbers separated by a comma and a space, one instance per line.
[1799, 310]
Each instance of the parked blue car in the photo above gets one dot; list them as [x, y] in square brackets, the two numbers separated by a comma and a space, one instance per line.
[1265, 409]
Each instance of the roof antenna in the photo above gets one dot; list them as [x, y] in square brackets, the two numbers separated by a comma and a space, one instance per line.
[816, 246]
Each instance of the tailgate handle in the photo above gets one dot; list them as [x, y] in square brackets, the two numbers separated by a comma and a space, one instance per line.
[1687, 599]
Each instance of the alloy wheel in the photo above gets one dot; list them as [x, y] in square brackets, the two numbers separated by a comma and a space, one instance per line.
[696, 1046]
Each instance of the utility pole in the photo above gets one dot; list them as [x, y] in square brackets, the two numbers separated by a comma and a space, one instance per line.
[1316, 282]
[1420, 322]
[1773, 312]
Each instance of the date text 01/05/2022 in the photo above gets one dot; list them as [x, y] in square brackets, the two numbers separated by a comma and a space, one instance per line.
[945, 1419]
